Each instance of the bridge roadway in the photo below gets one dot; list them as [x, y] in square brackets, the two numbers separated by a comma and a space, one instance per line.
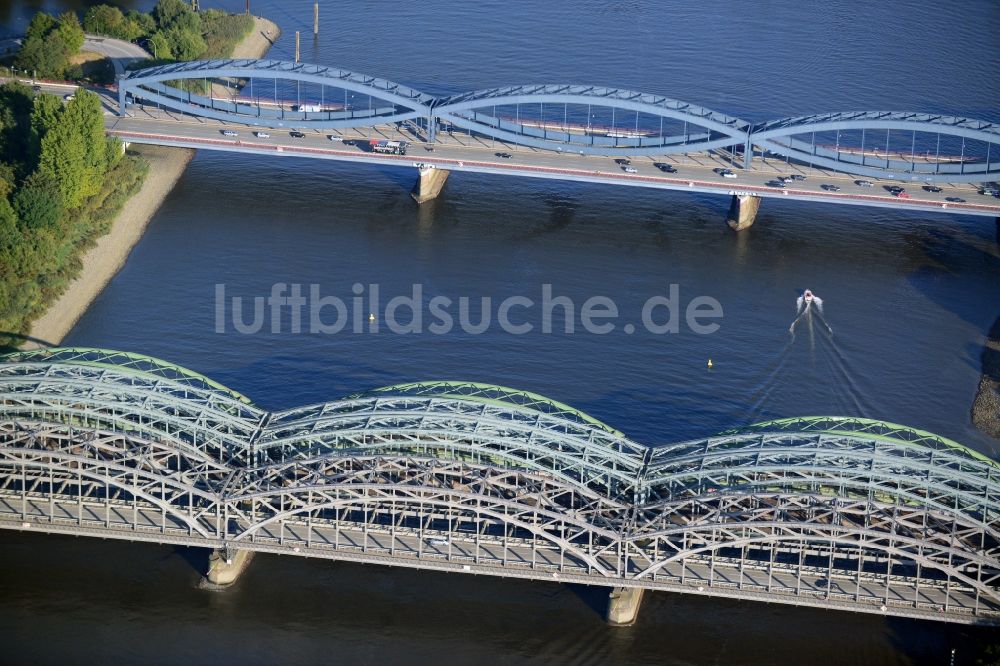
[461, 152]
[484, 555]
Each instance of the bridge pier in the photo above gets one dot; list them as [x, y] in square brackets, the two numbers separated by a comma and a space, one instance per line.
[429, 183]
[226, 566]
[743, 211]
[623, 605]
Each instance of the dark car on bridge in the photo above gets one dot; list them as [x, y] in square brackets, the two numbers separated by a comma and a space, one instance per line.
[505, 156]
[623, 162]
[955, 199]
[664, 167]
[775, 183]
[295, 134]
[830, 188]
[863, 183]
[931, 188]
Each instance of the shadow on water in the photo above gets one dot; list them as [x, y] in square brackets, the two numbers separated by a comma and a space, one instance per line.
[945, 255]
[932, 642]
[197, 558]
[594, 598]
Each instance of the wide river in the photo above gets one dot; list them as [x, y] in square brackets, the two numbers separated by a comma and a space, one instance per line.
[908, 297]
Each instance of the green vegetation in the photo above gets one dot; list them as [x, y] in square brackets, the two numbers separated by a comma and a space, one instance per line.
[61, 184]
[172, 30]
[48, 45]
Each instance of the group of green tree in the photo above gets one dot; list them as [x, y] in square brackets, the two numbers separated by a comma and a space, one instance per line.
[49, 43]
[171, 31]
[61, 181]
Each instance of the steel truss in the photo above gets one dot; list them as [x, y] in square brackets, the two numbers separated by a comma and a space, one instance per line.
[824, 511]
[476, 112]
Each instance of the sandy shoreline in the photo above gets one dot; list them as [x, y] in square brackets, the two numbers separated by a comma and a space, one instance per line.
[106, 258]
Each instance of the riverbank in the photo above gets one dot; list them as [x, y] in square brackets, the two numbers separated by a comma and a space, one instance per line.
[986, 408]
[106, 258]
[259, 41]
[108, 255]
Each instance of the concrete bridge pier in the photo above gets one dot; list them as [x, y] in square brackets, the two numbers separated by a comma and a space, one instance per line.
[743, 211]
[225, 567]
[623, 605]
[429, 183]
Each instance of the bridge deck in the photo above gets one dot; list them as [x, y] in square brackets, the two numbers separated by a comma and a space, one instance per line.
[509, 558]
[459, 151]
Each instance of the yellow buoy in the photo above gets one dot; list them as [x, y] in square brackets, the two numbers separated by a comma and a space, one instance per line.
[709, 363]
[371, 317]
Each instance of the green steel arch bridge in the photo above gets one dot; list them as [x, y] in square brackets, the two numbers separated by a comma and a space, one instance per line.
[831, 512]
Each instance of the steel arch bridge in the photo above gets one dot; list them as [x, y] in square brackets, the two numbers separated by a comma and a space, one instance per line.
[582, 119]
[830, 512]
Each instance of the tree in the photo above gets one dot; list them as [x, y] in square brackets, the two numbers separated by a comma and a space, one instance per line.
[37, 203]
[104, 20]
[41, 25]
[64, 161]
[15, 120]
[168, 11]
[46, 113]
[185, 44]
[70, 33]
[160, 47]
[38, 55]
[84, 115]
[145, 23]
[10, 235]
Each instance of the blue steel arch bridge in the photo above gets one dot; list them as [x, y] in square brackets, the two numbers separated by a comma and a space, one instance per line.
[830, 512]
[577, 120]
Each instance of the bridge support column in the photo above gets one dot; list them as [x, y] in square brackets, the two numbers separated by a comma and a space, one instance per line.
[623, 605]
[429, 184]
[225, 566]
[743, 211]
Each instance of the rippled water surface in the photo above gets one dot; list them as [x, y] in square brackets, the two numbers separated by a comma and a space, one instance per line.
[908, 298]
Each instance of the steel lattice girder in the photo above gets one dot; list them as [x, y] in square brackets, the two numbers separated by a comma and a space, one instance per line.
[147, 83]
[720, 130]
[517, 467]
[777, 136]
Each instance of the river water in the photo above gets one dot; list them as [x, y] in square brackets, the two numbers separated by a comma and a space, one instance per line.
[908, 297]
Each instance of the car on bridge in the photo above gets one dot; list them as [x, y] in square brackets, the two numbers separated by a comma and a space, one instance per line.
[437, 541]
[334, 137]
[796, 176]
[262, 135]
[726, 173]
[295, 134]
[623, 162]
[775, 183]
[505, 156]
[893, 189]
[229, 133]
[955, 200]
[931, 188]
[830, 188]
[990, 192]
[863, 183]
[629, 169]
[664, 167]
